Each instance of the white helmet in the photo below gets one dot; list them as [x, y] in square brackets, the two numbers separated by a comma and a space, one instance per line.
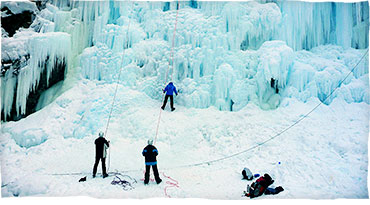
[101, 134]
[150, 141]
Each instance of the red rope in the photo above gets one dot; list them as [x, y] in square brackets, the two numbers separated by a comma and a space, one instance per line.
[172, 184]
[150, 179]
[169, 63]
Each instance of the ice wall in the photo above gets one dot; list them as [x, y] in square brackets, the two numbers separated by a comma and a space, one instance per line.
[44, 50]
[30, 54]
[307, 24]
[226, 54]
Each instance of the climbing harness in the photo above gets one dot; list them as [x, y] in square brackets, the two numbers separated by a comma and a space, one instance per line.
[169, 63]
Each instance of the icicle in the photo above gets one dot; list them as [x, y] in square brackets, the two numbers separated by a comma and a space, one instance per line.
[44, 50]
[8, 84]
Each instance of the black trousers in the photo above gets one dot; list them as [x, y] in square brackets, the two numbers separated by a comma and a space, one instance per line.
[147, 173]
[97, 159]
[165, 101]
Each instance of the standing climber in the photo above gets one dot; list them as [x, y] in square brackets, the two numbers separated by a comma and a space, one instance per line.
[150, 153]
[170, 88]
[101, 144]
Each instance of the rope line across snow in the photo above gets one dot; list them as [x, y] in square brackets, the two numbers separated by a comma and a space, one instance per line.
[281, 132]
[257, 145]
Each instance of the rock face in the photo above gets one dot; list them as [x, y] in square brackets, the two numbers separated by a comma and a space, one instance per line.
[12, 22]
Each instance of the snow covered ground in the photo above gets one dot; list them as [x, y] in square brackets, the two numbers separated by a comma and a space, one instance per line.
[225, 57]
[324, 156]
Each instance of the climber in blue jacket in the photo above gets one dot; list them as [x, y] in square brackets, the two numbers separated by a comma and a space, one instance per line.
[170, 88]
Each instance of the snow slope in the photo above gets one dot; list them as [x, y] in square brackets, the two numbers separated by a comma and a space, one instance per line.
[324, 156]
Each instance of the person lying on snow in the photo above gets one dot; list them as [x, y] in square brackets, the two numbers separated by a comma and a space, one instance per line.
[260, 186]
[170, 88]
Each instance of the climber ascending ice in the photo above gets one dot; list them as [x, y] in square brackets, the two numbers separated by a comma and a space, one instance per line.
[170, 88]
[101, 144]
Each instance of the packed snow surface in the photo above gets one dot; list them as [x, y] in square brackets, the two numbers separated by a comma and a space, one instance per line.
[324, 156]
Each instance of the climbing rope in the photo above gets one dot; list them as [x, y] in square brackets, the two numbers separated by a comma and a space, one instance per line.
[169, 65]
[258, 144]
[281, 132]
[125, 184]
[174, 183]
[118, 80]
[171, 184]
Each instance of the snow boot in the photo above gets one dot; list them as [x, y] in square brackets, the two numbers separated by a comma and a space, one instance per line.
[173, 109]
[159, 181]
[105, 175]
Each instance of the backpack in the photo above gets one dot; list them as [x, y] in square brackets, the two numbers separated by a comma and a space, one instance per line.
[247, 174]
[254, 190]
[258, 187]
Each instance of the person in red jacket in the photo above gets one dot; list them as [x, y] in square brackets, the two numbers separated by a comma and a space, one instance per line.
[150, 153]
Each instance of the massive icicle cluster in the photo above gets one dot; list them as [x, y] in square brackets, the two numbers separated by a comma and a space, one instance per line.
[43, 50]
[226, 54]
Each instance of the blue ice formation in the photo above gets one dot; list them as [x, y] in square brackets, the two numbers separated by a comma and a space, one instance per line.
[225, 54]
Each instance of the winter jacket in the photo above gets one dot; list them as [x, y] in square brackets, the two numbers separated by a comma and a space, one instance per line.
[258, 187]
[170, 88]
[99, 146]
[150, 153]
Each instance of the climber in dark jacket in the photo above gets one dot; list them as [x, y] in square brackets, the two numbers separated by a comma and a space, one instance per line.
[150, 153]
[101, 144]
[170, 88]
